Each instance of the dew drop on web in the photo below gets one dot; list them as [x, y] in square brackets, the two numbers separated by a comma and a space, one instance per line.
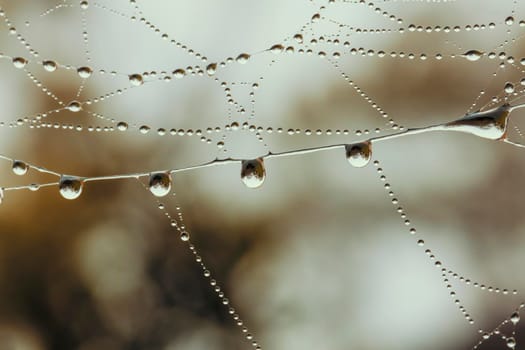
[19, 167]
[49, 65]
[511, 342]
[136, 79]
[70, 187]
[74, 106]
[211, 68]
[19, 62]
[122, 126]
[491, 124]
[84, 72]
[515, 318]
[359, 154]
[473, 55]
[242, 58]
[160, 184]
[253, 172]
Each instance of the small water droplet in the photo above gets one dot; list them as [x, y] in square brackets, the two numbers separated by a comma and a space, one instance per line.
[19, 167]
[277, 49]
[473, 55]
[74, 106]
[136, 79]
[122, 126]
[242, 58]
[50, 66]
[298, 38]
[253, 172]
[509, 20]
[160, 184]
[84, 4]
[359, 154]
[84, 72]
[179, 73]
[19, 62]
[211, 68]
[144, 129]
[509, 88]
[515, 318]
[511, 342]
[70, 187]
[184, 236]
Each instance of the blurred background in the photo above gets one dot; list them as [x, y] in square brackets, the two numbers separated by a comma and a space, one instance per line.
[317, 257]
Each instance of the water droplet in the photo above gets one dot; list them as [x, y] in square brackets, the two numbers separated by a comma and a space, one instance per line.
[136, 79]
[253, 172]
[160, 184]
[84, 72]
[19, 167]
[509, 20]
[473, 55]
[515, 318]
[298, 38]
[509, 88]
[1, 195]
[211, 68]
[511, 342]
[359, 154]
[144, 129]
[19, 62]
[50, 66]
[84, 5]
[277, 49]
[242, 58]
[122, 126]
[316, 17]
[70, 187]
[74, 106]
[179, 73]
[184, 236]
[491, 124]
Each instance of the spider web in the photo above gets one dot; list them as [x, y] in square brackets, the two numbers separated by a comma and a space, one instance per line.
[144, 115]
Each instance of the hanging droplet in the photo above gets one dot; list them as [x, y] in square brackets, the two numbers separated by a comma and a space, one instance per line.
[184, 236]
[253, 172]
[122, 126]
[84, 4]
[298, 38]
[211, 68]
[473, 55]
[511, 342]
[491, 124]
[509, 88]
[136, 79]
[242, 58]
[509, 20]
[19, 62]
[277, 49]
[70, 187]
[160, 184]
[74, 106]
[84, 72]
[144, 129]
[50, 66]
[359, 154]
[515, 318]
[19, 167]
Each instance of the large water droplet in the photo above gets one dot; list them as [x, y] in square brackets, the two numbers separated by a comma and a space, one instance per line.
[511, 342]
[122, 126]
[253, 172]
[70, 187]
[515, 318]
[509, 88]
[491, 124]
[179, 73]
[160, 184]
[473, 55]
[19, 167]
[359, 154]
